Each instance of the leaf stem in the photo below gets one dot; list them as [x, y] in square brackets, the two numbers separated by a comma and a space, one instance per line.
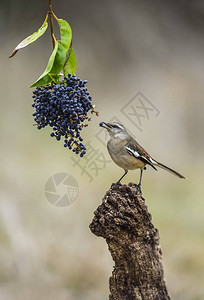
[50, 12]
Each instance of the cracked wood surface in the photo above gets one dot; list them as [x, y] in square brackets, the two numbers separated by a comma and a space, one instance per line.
[124, 222]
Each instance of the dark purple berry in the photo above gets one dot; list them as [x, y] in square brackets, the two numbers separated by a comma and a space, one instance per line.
[63, 107]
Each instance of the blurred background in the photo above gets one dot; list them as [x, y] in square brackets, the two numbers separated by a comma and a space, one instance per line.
[154, 48]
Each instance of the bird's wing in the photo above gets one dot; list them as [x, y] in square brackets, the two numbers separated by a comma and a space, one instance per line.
[138, 152]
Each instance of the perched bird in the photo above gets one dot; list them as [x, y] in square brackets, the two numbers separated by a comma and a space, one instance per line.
[127, 153]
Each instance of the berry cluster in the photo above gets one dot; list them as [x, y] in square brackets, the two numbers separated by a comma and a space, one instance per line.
[64, 107]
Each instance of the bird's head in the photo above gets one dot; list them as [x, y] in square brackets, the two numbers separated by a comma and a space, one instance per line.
[116, 130]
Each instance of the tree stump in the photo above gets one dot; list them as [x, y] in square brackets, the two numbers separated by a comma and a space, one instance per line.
[125, 223]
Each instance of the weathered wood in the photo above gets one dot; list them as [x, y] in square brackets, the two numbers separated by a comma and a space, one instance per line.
[125, 223]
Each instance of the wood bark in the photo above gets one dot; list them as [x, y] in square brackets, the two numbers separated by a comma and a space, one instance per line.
[124, 222]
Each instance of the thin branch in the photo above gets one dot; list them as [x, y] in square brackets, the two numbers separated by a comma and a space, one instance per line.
[51, 23]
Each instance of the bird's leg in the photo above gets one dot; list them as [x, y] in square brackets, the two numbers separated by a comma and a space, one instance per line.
[140, 182]
[122, 177]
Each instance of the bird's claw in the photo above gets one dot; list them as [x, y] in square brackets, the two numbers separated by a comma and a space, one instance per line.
[116, 183]
[139, 189]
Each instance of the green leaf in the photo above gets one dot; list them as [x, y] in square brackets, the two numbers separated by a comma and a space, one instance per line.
[31, 38]
[71, 64]
[66, 33]
[41, 80]
[56, 78]
[46, 79]
[62, 57]
[54, 67]
[60, 60]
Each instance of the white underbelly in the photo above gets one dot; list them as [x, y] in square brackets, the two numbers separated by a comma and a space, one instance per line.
[128, 163]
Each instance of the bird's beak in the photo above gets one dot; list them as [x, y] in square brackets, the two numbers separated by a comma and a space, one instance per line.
[105, 125]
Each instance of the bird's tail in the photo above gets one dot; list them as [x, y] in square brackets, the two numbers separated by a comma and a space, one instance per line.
[168, 169]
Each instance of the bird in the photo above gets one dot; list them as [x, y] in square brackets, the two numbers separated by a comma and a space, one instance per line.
[128, 154]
